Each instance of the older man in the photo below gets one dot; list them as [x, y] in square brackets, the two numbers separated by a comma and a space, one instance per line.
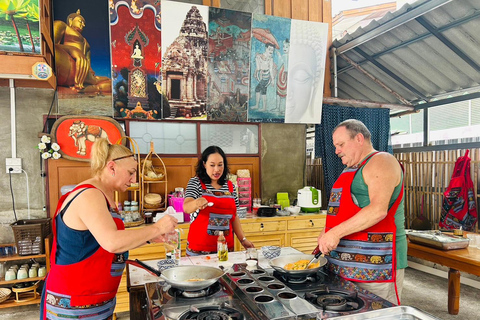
[364, 236]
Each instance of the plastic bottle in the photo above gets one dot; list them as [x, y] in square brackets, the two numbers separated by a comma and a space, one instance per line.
[222, 247]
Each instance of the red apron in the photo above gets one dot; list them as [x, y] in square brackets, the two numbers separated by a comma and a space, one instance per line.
[203, 232]
[368, 255]
[91, 281]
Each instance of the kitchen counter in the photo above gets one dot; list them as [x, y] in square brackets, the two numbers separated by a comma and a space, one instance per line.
[138, 277]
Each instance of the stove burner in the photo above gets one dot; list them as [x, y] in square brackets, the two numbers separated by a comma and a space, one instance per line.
[335, 300]
[213, 313]
[299, 279]
[214, 288]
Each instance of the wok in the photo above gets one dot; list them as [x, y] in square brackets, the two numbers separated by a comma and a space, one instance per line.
[178, 276]
[279, 262]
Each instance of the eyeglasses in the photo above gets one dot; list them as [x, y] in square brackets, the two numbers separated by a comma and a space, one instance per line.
[127, 156]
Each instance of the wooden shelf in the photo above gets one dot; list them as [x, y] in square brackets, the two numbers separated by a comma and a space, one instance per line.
[12, 303]
[18, 257]
[21, 280]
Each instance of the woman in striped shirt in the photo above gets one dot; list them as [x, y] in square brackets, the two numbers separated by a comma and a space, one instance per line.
[212, 202]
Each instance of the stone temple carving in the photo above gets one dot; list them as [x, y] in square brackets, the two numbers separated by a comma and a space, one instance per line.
[184, 68]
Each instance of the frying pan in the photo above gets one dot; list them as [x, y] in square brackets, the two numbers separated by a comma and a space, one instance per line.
[279, 262]
[178, 276]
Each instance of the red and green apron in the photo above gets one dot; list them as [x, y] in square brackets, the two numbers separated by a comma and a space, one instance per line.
[364, 256]
[203, 233]
[85, 289]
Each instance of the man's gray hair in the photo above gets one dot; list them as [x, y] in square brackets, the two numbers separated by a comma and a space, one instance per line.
[355, 127]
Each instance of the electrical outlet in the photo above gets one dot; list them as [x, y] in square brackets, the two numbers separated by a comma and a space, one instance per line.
[14, 165]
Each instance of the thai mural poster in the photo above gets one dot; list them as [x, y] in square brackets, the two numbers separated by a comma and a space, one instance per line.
[229, 64]
[82, 57]
[269, 68]
[20, 26]
[184, 61]
[306, 69]
[135, 31]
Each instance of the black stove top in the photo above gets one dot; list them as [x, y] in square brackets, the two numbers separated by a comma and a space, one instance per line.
[244, 294]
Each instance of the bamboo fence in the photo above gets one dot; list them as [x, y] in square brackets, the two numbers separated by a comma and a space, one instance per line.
[427, 175]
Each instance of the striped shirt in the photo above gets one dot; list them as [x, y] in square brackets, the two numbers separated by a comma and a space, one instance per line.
[194, 190]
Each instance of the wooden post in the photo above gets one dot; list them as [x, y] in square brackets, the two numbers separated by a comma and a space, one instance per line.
[453, 291]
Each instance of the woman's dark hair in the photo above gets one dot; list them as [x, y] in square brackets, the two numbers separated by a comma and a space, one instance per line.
[202, 172]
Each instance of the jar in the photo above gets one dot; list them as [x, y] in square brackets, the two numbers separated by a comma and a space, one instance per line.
[134, 203]
[126, 203]
[10, 275]
[42, 271]
[148, 217]
[32, 273]
[22, 274]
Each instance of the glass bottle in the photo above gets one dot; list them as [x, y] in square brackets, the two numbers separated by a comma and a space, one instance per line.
[222, 247]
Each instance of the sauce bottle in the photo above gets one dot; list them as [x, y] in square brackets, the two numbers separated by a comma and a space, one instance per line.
[222, 248]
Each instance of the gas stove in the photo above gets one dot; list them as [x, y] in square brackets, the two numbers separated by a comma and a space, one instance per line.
[255, 294]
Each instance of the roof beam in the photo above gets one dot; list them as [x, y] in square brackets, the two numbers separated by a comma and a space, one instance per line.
[448, 43]
[391, 74]
[367, 104]
[448, 100]
[380, 83]
[455, 23]
[392, 24]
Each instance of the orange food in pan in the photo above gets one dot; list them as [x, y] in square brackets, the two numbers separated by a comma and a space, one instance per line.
[301, 265]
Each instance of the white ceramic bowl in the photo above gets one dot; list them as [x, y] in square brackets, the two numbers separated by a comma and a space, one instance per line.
[293, 209]
[166, 264]
[271, 252]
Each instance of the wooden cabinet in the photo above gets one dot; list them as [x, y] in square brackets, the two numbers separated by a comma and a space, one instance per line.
[25, 297]
[303, 231]
[299, 232]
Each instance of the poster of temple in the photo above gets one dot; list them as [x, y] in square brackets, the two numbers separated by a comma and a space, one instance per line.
[135, 31]
[306, 69]
[184, 62]
[269, 68]
[229, 64]
[20, 26]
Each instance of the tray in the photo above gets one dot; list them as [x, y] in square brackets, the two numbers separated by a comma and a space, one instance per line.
[393, 313]
[438, 240]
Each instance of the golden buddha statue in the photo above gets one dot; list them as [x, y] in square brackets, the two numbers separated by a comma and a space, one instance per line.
[73, 57]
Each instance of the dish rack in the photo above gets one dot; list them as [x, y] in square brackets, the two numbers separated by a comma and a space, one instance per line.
[154, 185]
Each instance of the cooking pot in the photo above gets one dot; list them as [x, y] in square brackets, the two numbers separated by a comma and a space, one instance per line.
[309, 199]
[178, 277]
[280, 262]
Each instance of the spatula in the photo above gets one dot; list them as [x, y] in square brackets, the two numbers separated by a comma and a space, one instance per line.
[317, 253]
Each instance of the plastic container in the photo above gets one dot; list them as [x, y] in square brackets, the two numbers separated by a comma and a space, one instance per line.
[30, 235]
[177, 204]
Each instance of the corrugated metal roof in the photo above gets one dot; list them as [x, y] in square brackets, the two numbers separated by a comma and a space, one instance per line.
[425, 51]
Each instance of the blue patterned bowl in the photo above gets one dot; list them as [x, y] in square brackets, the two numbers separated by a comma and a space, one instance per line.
[271, 252]
[166, 264]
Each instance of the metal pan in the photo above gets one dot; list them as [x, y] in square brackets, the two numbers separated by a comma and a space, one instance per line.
[279, 262]
[178, 277]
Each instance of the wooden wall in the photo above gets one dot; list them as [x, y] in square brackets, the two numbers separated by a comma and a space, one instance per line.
[427, 175]
[63, 172]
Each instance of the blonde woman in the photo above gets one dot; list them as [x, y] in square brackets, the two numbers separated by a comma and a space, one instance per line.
[90, 243]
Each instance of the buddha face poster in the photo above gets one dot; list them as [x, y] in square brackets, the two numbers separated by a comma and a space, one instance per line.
[135, 31]
[306, 69]
[184, 62]
[82, 57]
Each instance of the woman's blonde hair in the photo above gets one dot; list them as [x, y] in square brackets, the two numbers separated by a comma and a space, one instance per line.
[103, 152]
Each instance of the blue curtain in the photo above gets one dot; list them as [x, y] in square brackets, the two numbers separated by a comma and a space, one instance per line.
[376, 120]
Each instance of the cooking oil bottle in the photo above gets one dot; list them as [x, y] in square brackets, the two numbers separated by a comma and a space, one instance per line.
[222, 247]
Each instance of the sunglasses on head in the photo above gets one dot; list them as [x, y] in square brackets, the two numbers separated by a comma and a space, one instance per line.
[127, 156]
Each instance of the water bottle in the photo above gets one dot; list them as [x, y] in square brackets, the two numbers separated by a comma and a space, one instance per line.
[222, 247]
